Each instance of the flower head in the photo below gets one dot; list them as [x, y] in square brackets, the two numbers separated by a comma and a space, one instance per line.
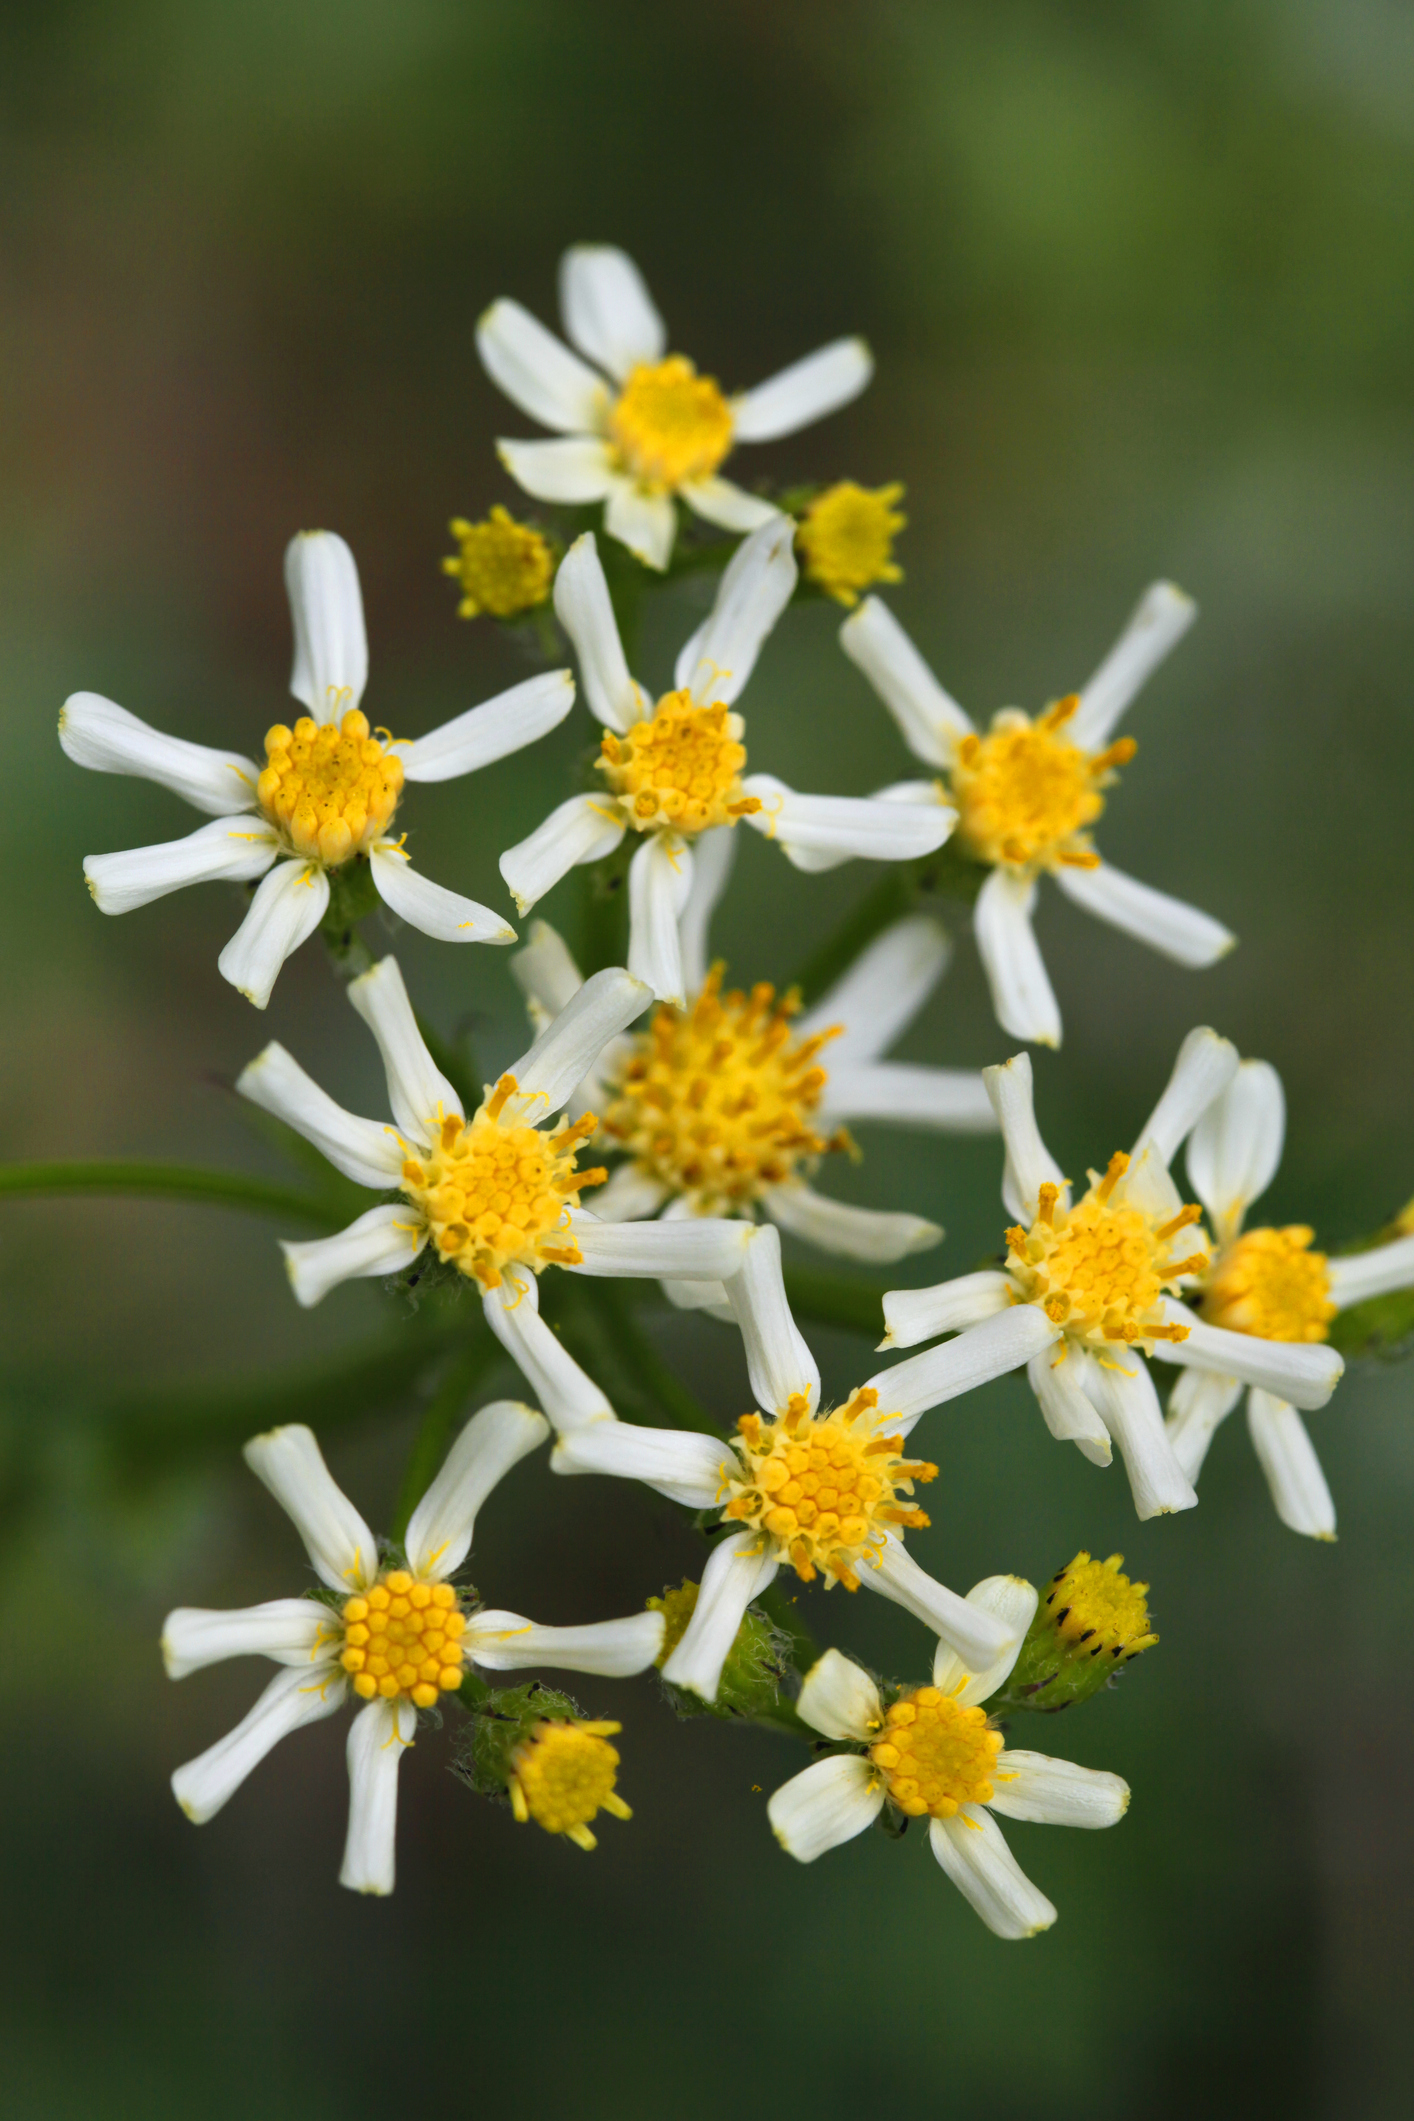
[504, 567]
[846, 538]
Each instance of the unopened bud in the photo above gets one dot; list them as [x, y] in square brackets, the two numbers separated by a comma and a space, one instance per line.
[1090, 1621]
[530, 1746]
[756, 1664]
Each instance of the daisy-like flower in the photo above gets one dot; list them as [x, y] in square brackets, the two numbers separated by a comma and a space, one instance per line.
[641, 428]
[397, 1637]
[846, 538]
[1269, 1283]
[726, 1107]
[674, 770]
[325, 796]
[1091, 1286]
[931, 1754]
[495, 1194]
[1027, 794]
[827, 1493]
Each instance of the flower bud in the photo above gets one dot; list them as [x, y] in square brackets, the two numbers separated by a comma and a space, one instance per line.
[1090, 1621]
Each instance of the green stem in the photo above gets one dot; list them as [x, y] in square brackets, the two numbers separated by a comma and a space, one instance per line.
[805, 1650]
[226, 1189]
[603, 932]
[621, 1344]
[830, 1300]
[460, 1378]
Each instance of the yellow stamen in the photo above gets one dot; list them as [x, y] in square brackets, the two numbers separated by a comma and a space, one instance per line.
[1091, 1602]
[669, 424]
[1101, 1268]
[504, 567]
[331, 788]
[934, 1756]
[403, 1639]
[847, 537]
[564, 1775]
[680, 769]
[1025, 795]
[1270, 1282]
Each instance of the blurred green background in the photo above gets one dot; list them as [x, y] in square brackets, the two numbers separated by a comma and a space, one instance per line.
[1140, 279]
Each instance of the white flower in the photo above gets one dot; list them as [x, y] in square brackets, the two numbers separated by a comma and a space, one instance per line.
[1088, 1289]
[642, 425]
[1267, 1283]
[824, 1493]
[932, 1755]
[495, 1194]
[325, 796]
[397, 1638]
[674, 770]
[1026, 794]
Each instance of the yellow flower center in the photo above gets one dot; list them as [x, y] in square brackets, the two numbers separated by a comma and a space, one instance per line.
[331, 788]
[716, 1100]
[497, 1194]
[847, 538]
[563, 1775]
[680, 769]
[934, 1756]
[1100, 1268]
[670, 424]
[403, 1637]
[1272, 1284]
[503, 566]
[826, 1489]
[1025, 796]
[1091, 1602]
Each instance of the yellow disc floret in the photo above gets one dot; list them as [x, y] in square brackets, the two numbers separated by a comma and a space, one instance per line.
[331, 787]
[1090, 1602]
[403, 1637]
[498, 1194]
[1270, 1282]
[827, 1490]
[681, 768]
[846, 538]
[716, 1101]
[563, 1775]
[934, 1756]
[1025, 796]
[669, 424]
[503, 566]
[1101, 1268]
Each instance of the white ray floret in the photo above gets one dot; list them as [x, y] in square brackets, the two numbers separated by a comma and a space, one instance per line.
[325, 797]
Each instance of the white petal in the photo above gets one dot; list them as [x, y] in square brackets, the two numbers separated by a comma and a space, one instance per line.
[839, 1699]
[1306, 1375]
[882, 992]
[1056, 1792]
[203, 1785]
[825, 1804]
[712, 856]
[1197, 1404]
[1148, 1184]
[867, 827]
[1057, 1377]
[972, 1850]
[804, 392]
[585, 610]
[983, 1352]
[612, 1649]
[1236, 1146]
[286, 910]
[708, 1296]
[1010, 1599]
[538, 372]
[1022, 996]
[754, 591]
[1169, 925]
[1285, 1454]
[853, 1233]
[929, 717]
[700, 1248]
[97, 733]
[777, 1359]
[980, 1638]
[1374, 1273]
[729, 506]
[225, 851]
[418, 1092]
[646, 522]
[383, 1241]
[908, 1094]
[365, 1150]
[378, 1737]
[444, 915]
[546, 974]
[491, 731]
[578, 469]
[439, 1532]
[290, 1464]
[687, 1468]
[565, 1052]
[659, 880]
[607, 310]
[630, 1195]
[739, 1567]
[1029, 1163]
[568, 1396]
[1160, 619]
[578, 830]
[290, 1630]
[326, 604]
[1129, 1407]
[912, 1315]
